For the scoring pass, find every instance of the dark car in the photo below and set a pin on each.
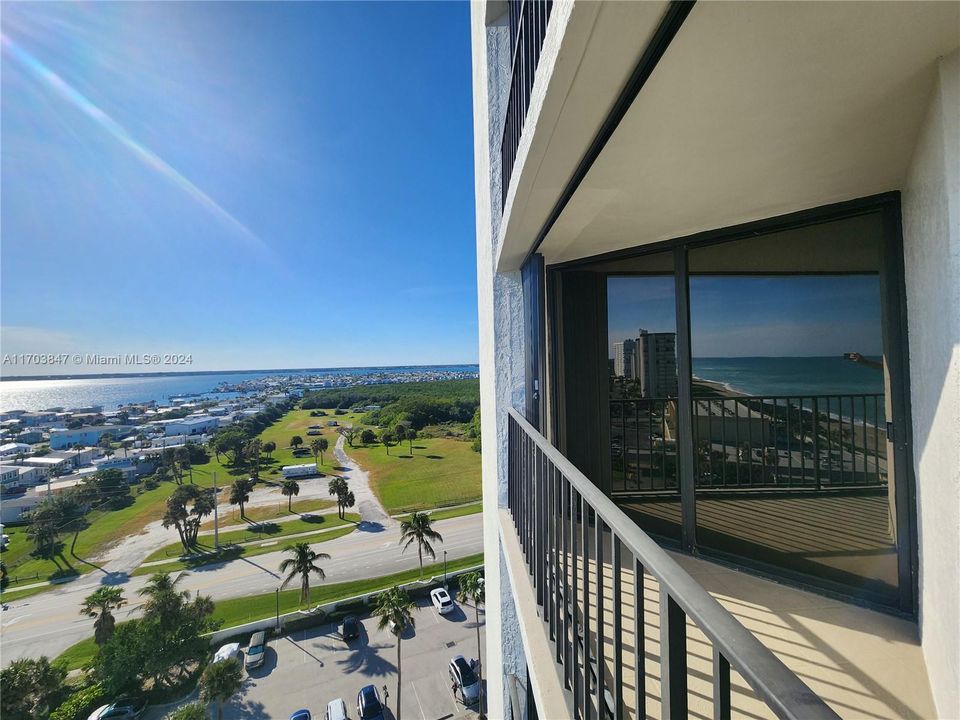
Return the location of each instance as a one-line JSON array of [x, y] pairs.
[[350, 629], [302, 714], [369, 706]]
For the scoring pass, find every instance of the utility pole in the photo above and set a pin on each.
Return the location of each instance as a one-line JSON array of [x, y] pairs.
[[444, 568], [216, 517]]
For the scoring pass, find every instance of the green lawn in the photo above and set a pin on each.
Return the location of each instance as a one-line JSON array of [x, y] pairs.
[[262, 513], [236, 551], [238, 611], [440, 472], [270, 531], [447, 513], [254, 607]]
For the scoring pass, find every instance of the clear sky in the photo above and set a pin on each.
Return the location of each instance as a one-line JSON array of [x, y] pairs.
[[257, 184], [755, 316]]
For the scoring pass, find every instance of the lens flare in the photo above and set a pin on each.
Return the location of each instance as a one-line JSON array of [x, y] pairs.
[[82, 103]]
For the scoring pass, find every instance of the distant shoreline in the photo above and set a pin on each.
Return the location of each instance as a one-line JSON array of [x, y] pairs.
[[268, 371]]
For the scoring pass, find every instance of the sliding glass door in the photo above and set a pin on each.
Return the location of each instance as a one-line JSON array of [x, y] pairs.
[[742, 395]]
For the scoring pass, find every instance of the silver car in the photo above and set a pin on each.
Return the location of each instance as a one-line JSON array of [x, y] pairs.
[[465, 679]]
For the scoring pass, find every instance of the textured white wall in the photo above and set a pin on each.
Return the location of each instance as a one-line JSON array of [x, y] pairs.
[[499, 300], [931, 228]]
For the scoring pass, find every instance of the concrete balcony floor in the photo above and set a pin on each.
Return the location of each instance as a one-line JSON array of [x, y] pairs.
[[863, 663]]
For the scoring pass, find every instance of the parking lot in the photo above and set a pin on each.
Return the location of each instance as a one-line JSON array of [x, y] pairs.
[[309, 668]]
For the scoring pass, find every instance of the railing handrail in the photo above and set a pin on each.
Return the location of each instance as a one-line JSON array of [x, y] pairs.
[[779, 687]]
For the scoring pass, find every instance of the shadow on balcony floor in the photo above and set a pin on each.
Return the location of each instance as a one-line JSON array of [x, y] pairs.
[[863, 663]]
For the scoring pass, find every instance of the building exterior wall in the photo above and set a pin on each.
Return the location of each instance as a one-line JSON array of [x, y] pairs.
[[931, 228], [500, 304]]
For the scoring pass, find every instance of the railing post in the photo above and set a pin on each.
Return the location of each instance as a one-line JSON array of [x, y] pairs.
[[585, 599], [721, 686], [673, 658], [617, 611], [816, 444]]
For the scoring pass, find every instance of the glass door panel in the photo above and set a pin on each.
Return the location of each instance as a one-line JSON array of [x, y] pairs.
[[642, 365], [790, 410]]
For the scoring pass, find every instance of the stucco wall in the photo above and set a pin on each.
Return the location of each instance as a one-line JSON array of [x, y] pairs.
[[931, 228], [499, 301]]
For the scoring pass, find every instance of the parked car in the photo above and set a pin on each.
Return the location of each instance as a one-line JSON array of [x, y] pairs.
[[301, 714], [441, 600], [336, 710], [122, 709], [256, 650], [465, 679], [230, 650], [369, 706], [350, 628]]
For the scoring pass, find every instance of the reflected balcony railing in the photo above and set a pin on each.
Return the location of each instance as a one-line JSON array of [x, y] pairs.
[[807, 442]]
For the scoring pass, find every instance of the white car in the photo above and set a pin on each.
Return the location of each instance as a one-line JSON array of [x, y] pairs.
[[230, 650], [336, 710], [441, 600]]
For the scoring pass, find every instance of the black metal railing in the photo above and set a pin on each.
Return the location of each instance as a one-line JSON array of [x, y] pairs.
[[812, 442], [528, 27], [576, 543]]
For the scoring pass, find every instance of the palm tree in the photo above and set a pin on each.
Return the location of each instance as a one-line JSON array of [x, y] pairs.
[[220, 682], [338, 487], [386, 438], [269, 447], [303, 563], [239, 493], [418, 529], [323, 444], [100, 604], [163, 596], [394, 608], [290, 488], [472, 591], [315, 449]]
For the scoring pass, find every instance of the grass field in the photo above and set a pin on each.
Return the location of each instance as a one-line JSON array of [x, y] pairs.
[[269, 531], [440, 472], [453, 512], [263, 513], [237, 551], [238, 611]]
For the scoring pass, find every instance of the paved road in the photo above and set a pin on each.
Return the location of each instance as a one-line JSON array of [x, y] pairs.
[[49, 623], [312, 667]]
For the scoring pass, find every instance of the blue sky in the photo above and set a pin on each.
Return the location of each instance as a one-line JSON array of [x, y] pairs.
[[258, 184], [755, 316]]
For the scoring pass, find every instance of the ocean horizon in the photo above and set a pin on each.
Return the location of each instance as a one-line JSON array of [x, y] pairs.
[[112, 390], [764, 376]]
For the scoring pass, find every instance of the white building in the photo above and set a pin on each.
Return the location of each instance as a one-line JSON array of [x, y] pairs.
[[11, 450], [61, 438], [22, 475], [295, 471], [13, 508], [191, 425], [713, 144]]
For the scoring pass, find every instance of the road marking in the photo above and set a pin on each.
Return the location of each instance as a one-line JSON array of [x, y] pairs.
[[417, 696]]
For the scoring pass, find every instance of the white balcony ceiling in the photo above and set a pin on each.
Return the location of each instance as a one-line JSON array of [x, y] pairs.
[[756, 109]]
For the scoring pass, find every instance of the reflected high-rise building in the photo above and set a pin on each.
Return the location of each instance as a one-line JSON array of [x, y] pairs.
[[651, 360]]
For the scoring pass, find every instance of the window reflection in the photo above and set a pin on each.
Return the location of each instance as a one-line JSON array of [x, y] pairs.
[[643, 405]]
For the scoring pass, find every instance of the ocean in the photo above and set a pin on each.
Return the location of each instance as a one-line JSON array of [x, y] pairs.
[[791, 375], [36, 395]]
